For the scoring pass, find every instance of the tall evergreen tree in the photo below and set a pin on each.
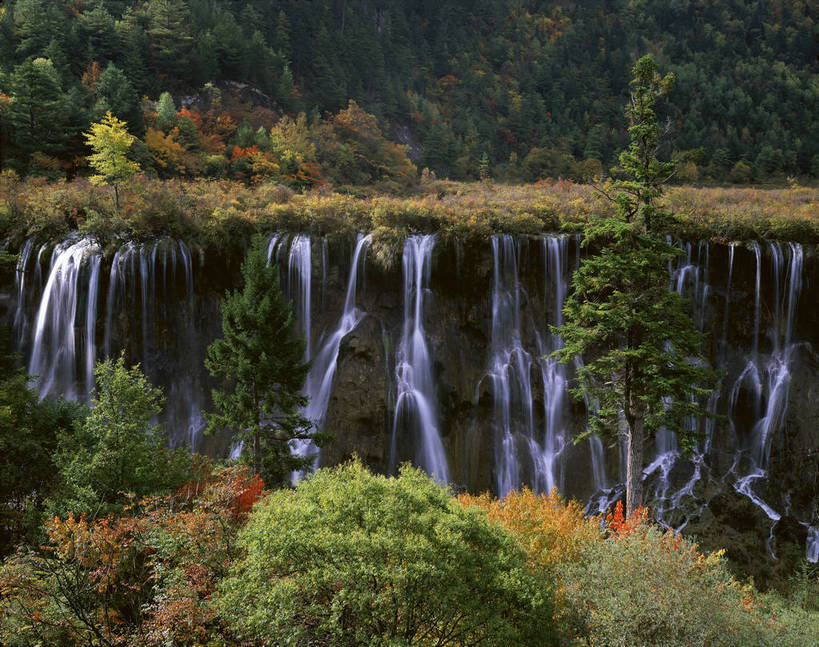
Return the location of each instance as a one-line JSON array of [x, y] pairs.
[[116, 93], [37, 111], [260, 359], [644, 370]]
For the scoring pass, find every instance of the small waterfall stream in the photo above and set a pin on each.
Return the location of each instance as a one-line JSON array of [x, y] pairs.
[[771, 382], [415, 406], [319, 383], [55, 345]]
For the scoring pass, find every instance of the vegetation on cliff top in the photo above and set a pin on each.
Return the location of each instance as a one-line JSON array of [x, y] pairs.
[[222, 214]]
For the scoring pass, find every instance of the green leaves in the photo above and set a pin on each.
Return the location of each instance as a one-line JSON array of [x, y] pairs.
[[643, 369], [260, 360], [117, 450], [351, 558]]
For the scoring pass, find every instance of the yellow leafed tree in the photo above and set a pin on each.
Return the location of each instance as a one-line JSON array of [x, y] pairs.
[[110, 141]]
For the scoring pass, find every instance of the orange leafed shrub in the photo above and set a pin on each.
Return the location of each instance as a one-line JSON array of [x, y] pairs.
[[619, 525], [549, 528], [193, 115], [143, 578], [166, 150], [239, 152]]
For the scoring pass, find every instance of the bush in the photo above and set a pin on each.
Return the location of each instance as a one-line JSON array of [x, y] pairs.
[[351, 558], [117, 450], [641, 587]]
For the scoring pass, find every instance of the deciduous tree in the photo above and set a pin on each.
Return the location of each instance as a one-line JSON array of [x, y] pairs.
[[118, 450], [110, 141], [351, 558]]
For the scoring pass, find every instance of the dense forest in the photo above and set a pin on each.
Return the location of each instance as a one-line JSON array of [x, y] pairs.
[[518, 90]]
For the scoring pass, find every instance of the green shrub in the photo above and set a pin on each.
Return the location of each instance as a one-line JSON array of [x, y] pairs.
[[643, 588], [351, 558]]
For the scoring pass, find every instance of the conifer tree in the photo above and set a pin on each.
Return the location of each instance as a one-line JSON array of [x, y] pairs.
[[116, 93], [36, 113], [643, 367], [166, 116], [260, 359]]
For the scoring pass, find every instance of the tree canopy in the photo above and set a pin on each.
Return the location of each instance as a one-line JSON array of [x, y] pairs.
[[351, 558]]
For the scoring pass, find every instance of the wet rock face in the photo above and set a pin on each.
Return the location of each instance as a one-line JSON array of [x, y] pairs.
[[357, 416], [502, 413]]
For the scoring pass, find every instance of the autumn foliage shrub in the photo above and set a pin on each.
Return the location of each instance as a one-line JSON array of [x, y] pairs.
[[623, 581], [142, 578]]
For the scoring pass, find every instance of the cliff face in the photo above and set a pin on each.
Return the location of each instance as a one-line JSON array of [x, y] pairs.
[[441, 361]]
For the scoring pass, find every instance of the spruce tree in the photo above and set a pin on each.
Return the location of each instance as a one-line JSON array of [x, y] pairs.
[[166, 116], [644, 368], [260, 359]]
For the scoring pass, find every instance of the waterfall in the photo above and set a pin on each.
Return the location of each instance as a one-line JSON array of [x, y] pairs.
[[299, 281], [116, 288], [55, 347], [518, 441], [415, 407], [20, 321], [553, 373], [319, 384], [91, 324], [690, 280], [151, 312], [812, 554], [509, 366], [773, 385]]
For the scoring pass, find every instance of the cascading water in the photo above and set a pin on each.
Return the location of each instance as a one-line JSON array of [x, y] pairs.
[[690, 280], [553, 373], [509, 369], [774, 378], [415, 408], [142, 294], [319, 384], [518, 445], [151, 312], [812, 555], [55, 346], [299, 284], [20, 321]]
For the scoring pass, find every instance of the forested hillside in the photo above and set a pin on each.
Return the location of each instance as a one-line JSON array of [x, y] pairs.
[[535, 88]]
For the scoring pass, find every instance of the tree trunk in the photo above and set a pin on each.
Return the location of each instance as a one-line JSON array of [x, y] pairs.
[[634, 466], [116, 196]]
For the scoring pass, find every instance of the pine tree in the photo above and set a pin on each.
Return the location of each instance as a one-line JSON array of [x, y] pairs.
[[117, 94], [110, 141], [644, 372], [260, 359], [166, 117], [37, 111]]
